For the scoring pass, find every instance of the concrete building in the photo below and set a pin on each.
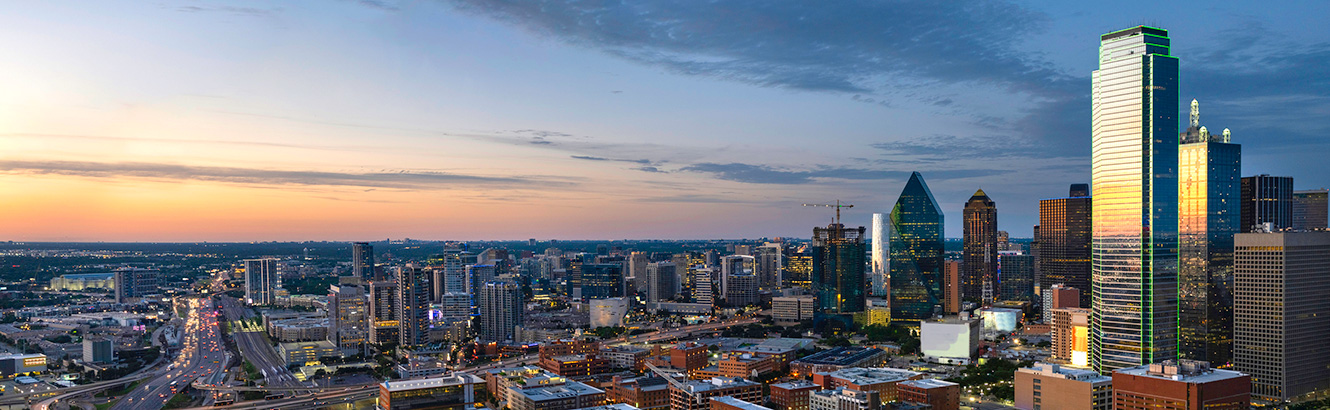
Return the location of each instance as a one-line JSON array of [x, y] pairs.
[[792, 395], [1000, 320], [881, 381], [837, 359], [791, 309], [362, 261], [80, 281], [1181, 385], [96, 350], [697, 394], [646, 393], [730, 403], [733, 364], [1059, 296], [413, 296], [879, 312], [565, 395], [626, 357], [1310, 209], [940, 394], [608, 312], [662, 281], [501, 310], [383, 313], [844, 399], [305, 352], [953, 339], [1282, 329], [304, 329], [575, 365], [741, 289], [1267, 200], [1071, 336], [261, 281], [456, 391], [137, 283], [951, 287], [348, 324], [1047, 386]]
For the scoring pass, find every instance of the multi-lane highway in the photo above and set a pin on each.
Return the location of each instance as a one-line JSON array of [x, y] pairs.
[[254, 348], [202, 356]]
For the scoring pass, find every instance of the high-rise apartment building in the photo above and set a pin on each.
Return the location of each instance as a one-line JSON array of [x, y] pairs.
[[662, 281], [951, 287], [261, 281], [1267, 200], [838, 269], [1064, 241], [734, 265], [383, 314], [881, 258], [1209, 182], [501, 310], [980, 252], [362, 260], [1310, 209], [770, 265], [1135, 221], [637, 270], [135, 283], [1282, 314], [348, 321], [413, 297], [477, 275], [916, 252], [741, 289], [1016, 276], [704, 288]]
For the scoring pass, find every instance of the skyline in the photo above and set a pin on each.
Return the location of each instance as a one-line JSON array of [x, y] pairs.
[[449, 120]]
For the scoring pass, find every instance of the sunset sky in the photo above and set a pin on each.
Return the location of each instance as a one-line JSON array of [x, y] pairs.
[[364, 120]]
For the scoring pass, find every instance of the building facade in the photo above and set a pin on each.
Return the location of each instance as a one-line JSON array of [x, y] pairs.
[[261, 281], [916, 251], [349, 318], [1063, 241], [1180, 385], [1310, 209], [1047, 386], [1267, 200], [362, 261], [135, 283], [501, 310], [1016, 276], [413, 297], [880, 261], [979, 271], [838, 269], [662, 281]]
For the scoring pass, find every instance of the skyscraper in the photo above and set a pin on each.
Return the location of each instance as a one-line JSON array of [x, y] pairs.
[[1209, 182], [383, 314], [662, 281], [135, 283], [798, 269], [979, 269], [1267, 199], [951, 287], [916, 253], [1016, 276], [881, 255], [1310, 209], [1064, 241], [602, 280], [838, 270], [1134, 126], [1280, 318], [349, 317], [260, 281], [362, 260], [413, 297], [770, 264], [501, 310]]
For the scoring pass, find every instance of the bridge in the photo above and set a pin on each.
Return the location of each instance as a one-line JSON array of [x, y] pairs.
[[211, 387]]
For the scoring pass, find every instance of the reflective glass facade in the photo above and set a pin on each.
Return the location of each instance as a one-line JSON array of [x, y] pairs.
[[838, 269], [979, 271], [916, 252], [1064, 242], [1209, 196], [1134, 126]]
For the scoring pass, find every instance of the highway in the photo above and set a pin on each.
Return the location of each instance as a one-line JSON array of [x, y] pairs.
[[202, 356], [254, 348]]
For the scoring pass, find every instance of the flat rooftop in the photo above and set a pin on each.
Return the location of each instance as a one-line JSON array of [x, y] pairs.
[[569, 389], [927, 383], [739, 403], [865, 376], [843, 356], [430, 383], [1210, 375]]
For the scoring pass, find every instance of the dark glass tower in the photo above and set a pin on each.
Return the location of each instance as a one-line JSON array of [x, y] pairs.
[[979, 270], [838, 269], [1016, 276], [1209, 185], [916, 253], [1064, 242], [602, 280], [362, 261], [1267, 199]]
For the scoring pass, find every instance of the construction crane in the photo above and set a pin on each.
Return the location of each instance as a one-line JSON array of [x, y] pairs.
[[668, 376], [836, 205]]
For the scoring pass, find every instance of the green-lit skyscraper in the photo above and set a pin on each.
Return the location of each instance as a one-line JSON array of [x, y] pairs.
[[1209, 211], [916, 253], [838, 270], [1134, 245]]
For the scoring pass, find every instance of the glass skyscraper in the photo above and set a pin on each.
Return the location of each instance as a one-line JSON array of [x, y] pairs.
[[881, 258], [1209, 196], [979, 271], [916, 253], [1134, 126], [838, 269], [1064, 242], [1267, 199]]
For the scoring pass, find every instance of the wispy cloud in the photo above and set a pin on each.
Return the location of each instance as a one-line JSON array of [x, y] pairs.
[[762, 174], [397, 179]]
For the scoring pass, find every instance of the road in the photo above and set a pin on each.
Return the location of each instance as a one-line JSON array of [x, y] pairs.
[[202, 356], [254, 348]]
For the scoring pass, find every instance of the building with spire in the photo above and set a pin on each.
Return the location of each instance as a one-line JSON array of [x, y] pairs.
[[916, 249], [1134, 151], [1209, 192], [979, 269]]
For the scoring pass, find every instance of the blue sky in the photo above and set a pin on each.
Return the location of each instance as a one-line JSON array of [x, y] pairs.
[[598, 119]]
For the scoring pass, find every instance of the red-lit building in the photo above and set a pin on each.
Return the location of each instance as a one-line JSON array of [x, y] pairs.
[[942, 395], [1180, 385]]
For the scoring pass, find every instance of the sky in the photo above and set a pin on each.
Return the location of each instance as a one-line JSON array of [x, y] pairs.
[[365, 120]]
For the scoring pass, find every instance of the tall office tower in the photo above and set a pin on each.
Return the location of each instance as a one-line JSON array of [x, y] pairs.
[[602, 280], [1267, 199], [662, 281], [261, 278], [951, 287], [1064, 241], [881, 259], [741, 289], [734, 265], [1310, 209], [1281, 324], [838, 270], [1134, 173], [413, 305], [501, 310], [916, 253], [704, 289], [383, 315], [979, 272], [477, 275], [362, 260], [769, 258], [798, 272], [1016, 276], [1209, 192], [349, 321], [451, 274], [637, 269], [135, 283]]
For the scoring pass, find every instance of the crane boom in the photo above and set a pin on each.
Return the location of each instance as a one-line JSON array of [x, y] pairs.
[[836, 205]]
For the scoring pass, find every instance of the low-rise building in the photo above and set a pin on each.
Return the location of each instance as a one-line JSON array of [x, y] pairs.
[[730, 403], [844, 399], [575, 365], [79, 281], [421, 368], [452, 392], [882, 381], [646, 393], [626, 357], [305, 352], [1182, 385], [952, 340], [836, 359], [746, 365], [793, 309], [1046, 386], [566, 395], [697, 394], [12, 364], [940, 394], [298, 330], [792, 395]]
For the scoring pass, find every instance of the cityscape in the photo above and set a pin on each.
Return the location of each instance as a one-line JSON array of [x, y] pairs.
[[282, 254]]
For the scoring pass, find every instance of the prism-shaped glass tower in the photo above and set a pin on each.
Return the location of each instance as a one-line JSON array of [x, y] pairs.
[[916, 253]]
